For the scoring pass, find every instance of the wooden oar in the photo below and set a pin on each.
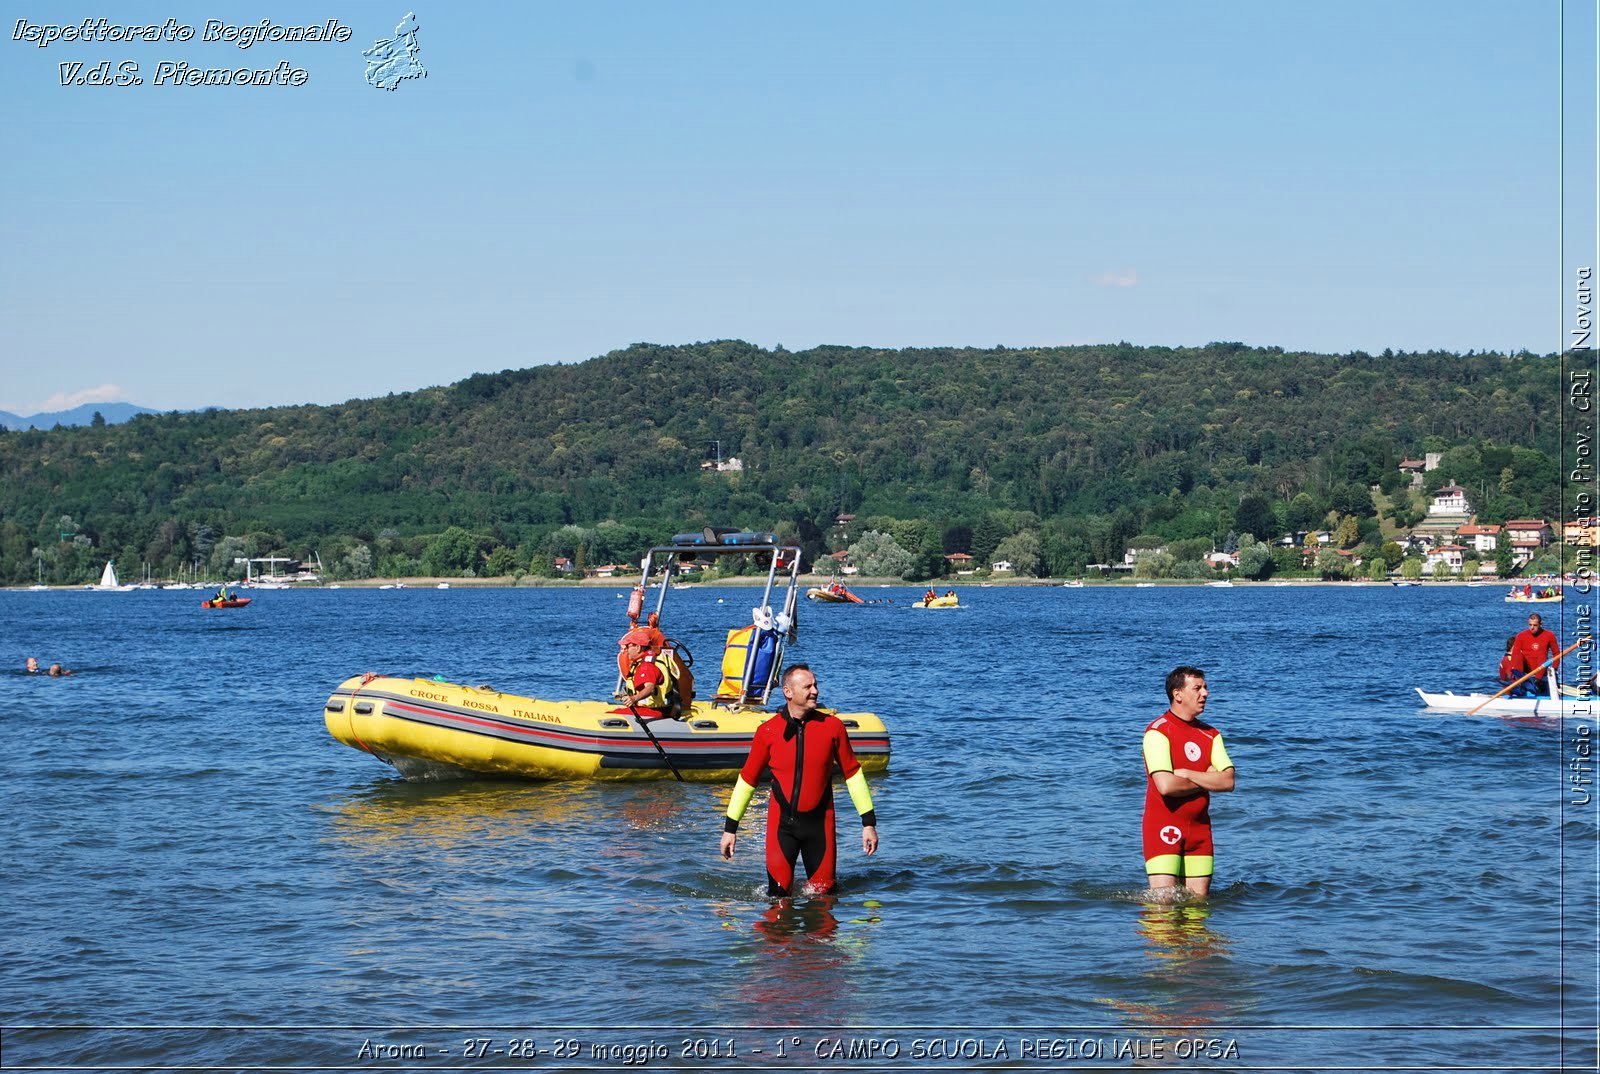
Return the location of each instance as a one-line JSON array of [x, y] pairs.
[[1512, 686]]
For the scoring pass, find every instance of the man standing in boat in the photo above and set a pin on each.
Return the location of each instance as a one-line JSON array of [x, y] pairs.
[[800, 746], [1535, 648], [1185, 763]]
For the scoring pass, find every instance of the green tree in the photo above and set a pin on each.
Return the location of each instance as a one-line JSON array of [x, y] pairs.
[[1330, 564], [1255, 559], [453, 552], [1153, 565], [1303, 513], [356, 563], [879, 555], [502, 561], [1411, 568], [1255, 516], [1022, 550], [986, 537], [1348, 532], [1502, 554], [221, 564]]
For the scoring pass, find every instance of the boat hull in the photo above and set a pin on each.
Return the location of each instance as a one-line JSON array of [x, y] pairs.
[[939, 602], [237, 602], [827, 596], [1510, 706], [430, 729]]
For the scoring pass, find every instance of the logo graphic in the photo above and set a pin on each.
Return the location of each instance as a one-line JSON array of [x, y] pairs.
[[391, 62], [1191, 750], [1171, 834]]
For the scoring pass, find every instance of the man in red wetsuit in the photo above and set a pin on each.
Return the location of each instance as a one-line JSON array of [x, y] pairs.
[[1185, 762], [799, 746], [1533, 647]]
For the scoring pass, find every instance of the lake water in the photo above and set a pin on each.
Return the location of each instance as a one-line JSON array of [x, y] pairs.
[[198, 875]]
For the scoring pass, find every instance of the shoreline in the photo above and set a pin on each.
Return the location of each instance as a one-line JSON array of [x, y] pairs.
[[817, 580]]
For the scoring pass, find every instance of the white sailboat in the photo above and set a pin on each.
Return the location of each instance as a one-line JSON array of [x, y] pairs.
[[108, 579]]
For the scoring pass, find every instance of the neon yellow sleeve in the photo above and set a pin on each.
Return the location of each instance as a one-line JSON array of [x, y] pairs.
[[1219, 755], [859, 794], [1157, 752], [742, 793]]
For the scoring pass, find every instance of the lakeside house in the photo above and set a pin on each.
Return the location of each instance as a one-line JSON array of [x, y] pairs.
[[1449, 556], [1527, 535], [962, 564], [1483, 539], [1450, 500], [1582, 531]]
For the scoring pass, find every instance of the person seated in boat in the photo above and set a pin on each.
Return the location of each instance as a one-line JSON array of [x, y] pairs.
[[645, 684], [57, 671], [1536, 648], [32, 665], [1509, 672], [950, 592], [930, 596]]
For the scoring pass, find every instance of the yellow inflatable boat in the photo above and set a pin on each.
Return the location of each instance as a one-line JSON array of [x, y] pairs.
[[428, 728]]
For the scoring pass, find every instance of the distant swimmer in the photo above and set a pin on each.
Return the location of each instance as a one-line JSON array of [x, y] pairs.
[[800, 746], [1185, 763], [57, 671], [32, 665]]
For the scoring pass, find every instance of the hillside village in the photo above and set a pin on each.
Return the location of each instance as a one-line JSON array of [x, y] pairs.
[[1448, 541]]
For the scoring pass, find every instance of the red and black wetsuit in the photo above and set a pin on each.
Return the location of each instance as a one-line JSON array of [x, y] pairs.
[[799, 755]]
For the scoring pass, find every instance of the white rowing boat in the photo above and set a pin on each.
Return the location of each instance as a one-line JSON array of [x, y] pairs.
[[1553, 706]]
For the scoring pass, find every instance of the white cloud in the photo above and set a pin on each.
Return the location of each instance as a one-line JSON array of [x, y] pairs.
[[105, 393], [1130, 278]]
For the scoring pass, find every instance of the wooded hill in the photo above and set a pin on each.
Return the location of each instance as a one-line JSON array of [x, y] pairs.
[[951, 449]]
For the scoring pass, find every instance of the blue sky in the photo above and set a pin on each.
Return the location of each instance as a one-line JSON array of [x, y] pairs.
[[573, 178]]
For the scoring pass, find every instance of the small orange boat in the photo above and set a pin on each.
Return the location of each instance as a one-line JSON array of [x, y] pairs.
[[231, 602]]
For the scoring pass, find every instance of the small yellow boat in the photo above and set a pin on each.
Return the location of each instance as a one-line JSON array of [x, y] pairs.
[[429, 728], [949, 601]]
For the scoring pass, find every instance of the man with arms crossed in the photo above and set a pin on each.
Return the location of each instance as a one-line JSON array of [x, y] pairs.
[[1185, 762], [801, 745]]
